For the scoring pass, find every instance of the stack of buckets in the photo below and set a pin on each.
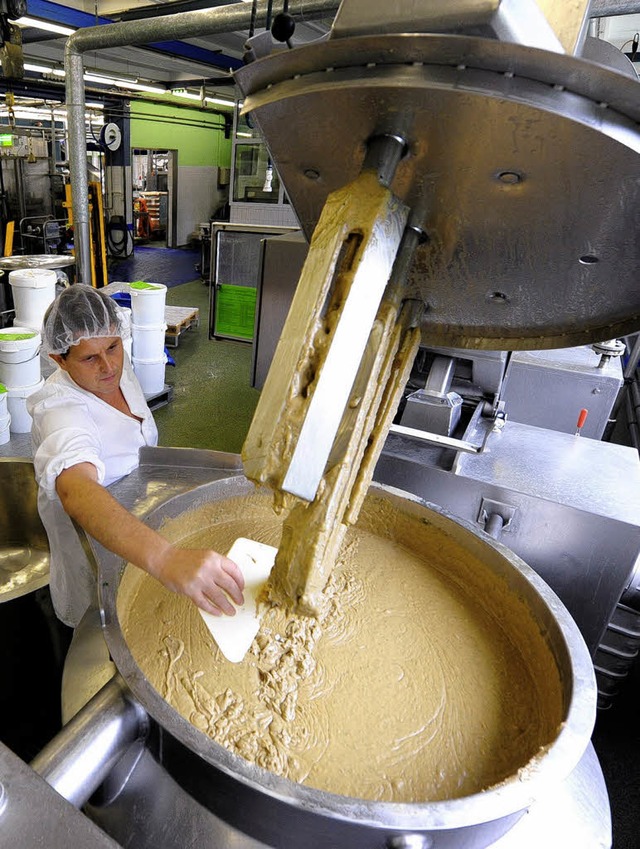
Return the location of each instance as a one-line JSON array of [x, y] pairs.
[[33, 289], [148, 330]]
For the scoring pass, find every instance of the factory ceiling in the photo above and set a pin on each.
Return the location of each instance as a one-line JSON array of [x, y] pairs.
[[195, 66], [172, 64]]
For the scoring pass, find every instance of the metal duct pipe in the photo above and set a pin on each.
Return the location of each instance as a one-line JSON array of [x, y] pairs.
[[633, 411], [611, 8], [79, 758], [222, 19], [634, 359]]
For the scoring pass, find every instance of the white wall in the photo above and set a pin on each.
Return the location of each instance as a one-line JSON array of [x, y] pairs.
[[619, 29], [198, 198]]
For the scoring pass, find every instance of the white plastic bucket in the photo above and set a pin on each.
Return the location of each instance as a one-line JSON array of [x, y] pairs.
[[127, 339], [3, 401], [33, 289], [17, 405], [148, 341], [150, 374], [19, 356], [147, 302], [5, 429]]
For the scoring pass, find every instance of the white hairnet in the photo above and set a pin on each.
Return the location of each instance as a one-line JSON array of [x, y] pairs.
[[81, 312]]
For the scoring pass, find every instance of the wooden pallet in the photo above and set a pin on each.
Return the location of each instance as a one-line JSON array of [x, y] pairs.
[[179, 320]]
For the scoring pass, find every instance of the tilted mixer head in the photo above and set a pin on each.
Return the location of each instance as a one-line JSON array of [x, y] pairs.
[[525, 244]]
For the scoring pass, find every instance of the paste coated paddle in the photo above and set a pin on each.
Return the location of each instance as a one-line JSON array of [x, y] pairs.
[[234, 634]]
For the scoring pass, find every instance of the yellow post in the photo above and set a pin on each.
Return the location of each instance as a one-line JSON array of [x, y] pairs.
[[100, 247], [8, 238]]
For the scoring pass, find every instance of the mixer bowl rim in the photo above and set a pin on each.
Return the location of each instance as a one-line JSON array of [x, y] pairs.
[[603, 84], [514, 794]]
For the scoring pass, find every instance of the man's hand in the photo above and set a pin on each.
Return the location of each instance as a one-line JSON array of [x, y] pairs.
[[204, 576]]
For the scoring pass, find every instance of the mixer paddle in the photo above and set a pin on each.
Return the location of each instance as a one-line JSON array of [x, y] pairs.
[[234, 634]]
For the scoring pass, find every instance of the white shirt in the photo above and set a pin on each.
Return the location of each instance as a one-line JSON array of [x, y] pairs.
[[70, 426]]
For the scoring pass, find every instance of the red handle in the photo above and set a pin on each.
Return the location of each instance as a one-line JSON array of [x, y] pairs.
[[582, 418]]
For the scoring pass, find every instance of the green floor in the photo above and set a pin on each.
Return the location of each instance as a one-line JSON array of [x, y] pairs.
[[213, 401]]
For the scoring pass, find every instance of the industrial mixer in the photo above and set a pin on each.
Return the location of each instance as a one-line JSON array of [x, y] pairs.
[[445, 144]]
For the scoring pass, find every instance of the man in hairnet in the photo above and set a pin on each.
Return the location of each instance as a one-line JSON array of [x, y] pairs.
[[89, 421]]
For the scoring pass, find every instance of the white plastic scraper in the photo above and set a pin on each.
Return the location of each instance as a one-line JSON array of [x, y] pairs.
[[234, 634]]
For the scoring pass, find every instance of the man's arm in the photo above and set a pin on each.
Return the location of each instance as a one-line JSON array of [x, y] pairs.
[[203, 575]]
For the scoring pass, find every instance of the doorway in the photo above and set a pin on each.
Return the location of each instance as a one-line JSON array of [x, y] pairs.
[[154, 175]]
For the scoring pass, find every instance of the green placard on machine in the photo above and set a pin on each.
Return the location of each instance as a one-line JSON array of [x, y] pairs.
[[235, 311]]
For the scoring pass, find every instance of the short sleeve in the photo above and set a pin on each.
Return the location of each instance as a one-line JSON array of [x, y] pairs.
[[64, 435]]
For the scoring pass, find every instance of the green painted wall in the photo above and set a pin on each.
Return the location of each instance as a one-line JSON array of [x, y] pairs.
[[196, 135]]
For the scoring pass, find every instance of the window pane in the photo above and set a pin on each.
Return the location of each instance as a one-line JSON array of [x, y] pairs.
[[255, 179]]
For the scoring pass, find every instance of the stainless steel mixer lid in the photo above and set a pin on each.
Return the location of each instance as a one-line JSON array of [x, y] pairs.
[[10, 263], [523, 170]]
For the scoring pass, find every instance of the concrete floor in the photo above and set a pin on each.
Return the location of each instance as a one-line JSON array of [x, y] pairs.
[[213, 401]]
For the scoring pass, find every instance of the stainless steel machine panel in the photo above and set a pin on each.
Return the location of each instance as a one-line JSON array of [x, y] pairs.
[[549, 388], [486, 367], [573, 503], [24, 547], [281, 263]]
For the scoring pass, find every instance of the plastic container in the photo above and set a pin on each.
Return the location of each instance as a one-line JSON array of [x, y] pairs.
[[150, 374], [5, 429], [19, 356], [127, 342], [148, 341], [17, 406], [5, 418], [33, 289], [123, 299], [148, 302]]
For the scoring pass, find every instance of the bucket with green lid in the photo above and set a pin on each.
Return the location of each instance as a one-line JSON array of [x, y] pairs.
[[19, 360], [147, 302]]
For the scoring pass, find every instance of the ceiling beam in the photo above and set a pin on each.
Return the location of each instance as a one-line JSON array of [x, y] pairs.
[[138, 13], [222, 19], [78, 19]]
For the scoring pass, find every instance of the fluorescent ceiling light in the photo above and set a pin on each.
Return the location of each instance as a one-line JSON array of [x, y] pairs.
[[140, 86], [34, 114], [220, 102], [186, 94], [100, 79], [129, 84], [38, 69], [96, 78], [45, 25]]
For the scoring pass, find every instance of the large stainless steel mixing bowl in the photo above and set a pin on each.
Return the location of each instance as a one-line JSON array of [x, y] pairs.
[[24, 547], [281, 813]]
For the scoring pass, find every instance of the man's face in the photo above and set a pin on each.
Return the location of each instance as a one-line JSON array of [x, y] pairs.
[[95, 364]]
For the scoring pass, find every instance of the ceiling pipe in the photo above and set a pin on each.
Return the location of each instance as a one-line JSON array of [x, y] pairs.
[[613, 8], [224, 19]]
